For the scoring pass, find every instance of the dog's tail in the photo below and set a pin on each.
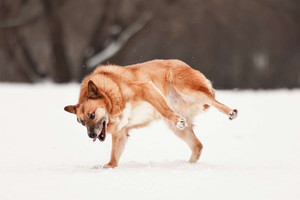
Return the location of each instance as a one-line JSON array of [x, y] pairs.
[[183, 76]]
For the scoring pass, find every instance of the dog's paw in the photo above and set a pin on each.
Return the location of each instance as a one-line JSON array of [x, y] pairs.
[[97, 167], [232, 114], [181, 123], [110, 165]]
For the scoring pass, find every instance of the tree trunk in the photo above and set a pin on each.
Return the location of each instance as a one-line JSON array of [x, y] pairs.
[[60, 70]]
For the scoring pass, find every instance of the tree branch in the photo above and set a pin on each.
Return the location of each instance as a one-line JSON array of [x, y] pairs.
[[27, 16], [118, 44]]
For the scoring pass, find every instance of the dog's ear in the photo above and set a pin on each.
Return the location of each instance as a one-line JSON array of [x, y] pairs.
[[93, 92], [71, 109]]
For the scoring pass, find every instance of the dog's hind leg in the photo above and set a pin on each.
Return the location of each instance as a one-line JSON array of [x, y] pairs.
[[232, 113], [119, 140], [190, 138], [192, 83]]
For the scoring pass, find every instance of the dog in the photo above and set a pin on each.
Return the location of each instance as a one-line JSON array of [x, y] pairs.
[[115, 99]]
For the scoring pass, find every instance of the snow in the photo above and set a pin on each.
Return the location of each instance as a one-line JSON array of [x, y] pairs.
[[45, 154]]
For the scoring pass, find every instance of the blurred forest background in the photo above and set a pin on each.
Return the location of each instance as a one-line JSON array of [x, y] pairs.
[[235, 43]]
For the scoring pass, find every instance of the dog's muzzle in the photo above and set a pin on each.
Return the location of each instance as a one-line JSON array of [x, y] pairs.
[[102, 129], [92, 134]]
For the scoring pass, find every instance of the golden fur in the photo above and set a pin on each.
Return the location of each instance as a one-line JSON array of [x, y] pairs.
[[133, 96]]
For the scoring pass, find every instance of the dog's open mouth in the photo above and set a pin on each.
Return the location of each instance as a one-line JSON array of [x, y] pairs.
[[102, 134]]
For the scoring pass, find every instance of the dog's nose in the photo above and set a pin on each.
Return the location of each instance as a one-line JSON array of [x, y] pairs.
[[92, 134]]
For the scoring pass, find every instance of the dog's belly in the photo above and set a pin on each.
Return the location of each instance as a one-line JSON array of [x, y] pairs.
[[142, 113], [184, 105]]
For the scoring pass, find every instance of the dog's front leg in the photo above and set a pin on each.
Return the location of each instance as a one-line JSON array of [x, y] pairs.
[[156, 98], [119, 140]]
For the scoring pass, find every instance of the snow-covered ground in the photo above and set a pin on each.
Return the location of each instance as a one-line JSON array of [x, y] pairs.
[[45, 154]]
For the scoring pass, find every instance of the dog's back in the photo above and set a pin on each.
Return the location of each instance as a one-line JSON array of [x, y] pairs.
[[171, 77]]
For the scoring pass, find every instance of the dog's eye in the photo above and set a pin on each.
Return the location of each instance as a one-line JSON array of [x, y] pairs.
[[92, 116], [82, 122]]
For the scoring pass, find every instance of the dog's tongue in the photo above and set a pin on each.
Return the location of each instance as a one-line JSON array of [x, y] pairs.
[[102, 135]]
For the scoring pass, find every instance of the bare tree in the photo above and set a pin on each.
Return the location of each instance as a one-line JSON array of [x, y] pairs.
[[60, 67], [237, 43]]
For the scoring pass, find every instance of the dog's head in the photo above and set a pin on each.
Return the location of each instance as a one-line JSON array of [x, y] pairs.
[[92, 113]]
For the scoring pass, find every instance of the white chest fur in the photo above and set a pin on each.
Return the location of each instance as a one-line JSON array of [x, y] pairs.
[[136, 115]]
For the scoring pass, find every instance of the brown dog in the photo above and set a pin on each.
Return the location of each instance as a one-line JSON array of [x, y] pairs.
[[115, 99]]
